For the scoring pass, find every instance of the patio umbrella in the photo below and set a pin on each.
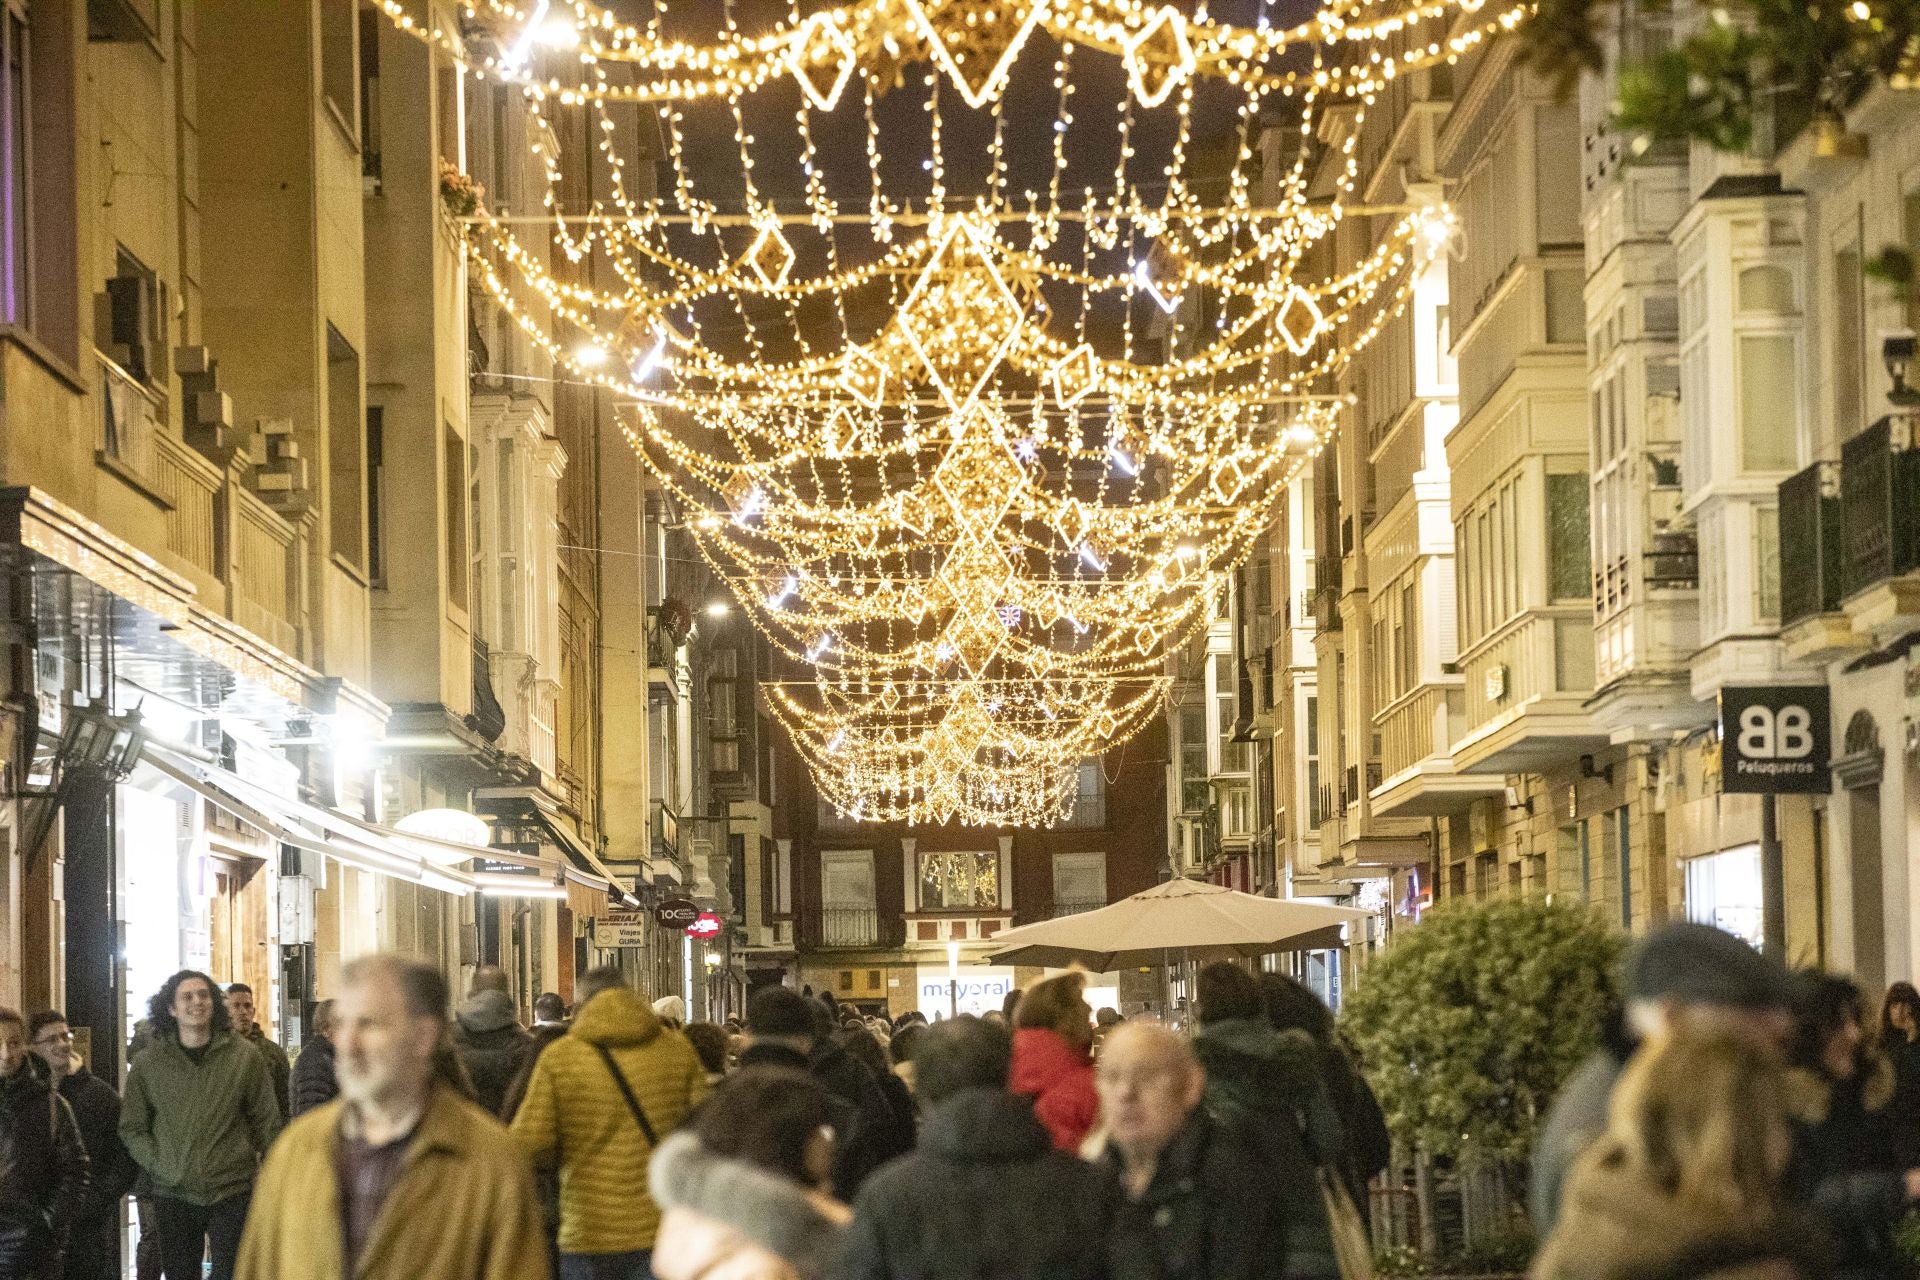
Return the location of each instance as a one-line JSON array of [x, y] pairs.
[[1197, 921]]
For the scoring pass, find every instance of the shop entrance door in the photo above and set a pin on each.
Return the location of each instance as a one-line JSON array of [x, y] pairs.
[[237, 928]]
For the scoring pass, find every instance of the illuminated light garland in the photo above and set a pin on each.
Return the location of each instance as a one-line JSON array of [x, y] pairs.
[[1162, 48], [883, 535]]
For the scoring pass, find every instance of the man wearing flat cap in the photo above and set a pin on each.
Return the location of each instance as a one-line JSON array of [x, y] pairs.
[[1681, 975]]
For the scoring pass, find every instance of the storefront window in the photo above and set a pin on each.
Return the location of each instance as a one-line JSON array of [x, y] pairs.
[[1723, 890]]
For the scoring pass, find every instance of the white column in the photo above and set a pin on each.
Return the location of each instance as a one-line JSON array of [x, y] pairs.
[[1006, 873], [909, 878]]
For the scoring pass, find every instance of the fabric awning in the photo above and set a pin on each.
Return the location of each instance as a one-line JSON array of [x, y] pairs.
[[429, 860], [533, 805]]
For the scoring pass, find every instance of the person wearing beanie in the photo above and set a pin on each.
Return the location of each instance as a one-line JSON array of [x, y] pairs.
[[1682, 976], [786, 1029], [492, 1045]]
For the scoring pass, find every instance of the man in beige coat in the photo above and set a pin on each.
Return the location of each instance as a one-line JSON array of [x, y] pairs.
[[401, 1175]]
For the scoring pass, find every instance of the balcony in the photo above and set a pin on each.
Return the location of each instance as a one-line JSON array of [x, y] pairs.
[[1076, 906], [1526, 689], [237, 550], [1812, 625], [664, 844], [1416, 739], [849, 927], [1880, 527]]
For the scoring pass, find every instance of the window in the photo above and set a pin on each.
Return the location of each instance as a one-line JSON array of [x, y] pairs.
[[370, 22], [1767, 288], [454, 452], [16, 168], [1193, 758], [847, 915], [1849, 344], [1409, 637], [346, 453], [1089, 796], [1569, 568], [1312, 748], [959, 881], [1769, 401], [723, 708], [340, 62], [476, 548], [137, 325], [376, 495], [1910, 228], [1079, 882], [1766, 564], [1623, 829]]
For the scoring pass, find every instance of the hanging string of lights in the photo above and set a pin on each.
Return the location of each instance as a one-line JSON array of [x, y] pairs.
[[976, 456]]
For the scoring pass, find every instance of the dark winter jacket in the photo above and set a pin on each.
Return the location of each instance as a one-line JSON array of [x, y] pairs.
[[1210, 1212], [111, 1171], [879, 1134], [1059, 1078], [984, 1196], [1904, 1111], [43, 1163], [1574, 1123], [1846, 1169], [278, 1068], [314, 1082], [200, 1128], [492, 1047], [1615, 1224], [1266, 1085], [1368, 1147]]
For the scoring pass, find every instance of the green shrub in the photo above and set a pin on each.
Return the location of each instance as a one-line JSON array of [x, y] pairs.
[[1468, 1025]]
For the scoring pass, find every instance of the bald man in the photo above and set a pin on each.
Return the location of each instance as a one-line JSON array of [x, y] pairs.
[[1194, 1201]]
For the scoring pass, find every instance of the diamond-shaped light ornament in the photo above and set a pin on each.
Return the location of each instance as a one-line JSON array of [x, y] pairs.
[[822, 58], [961, 318], [1074, 375], [969, 56], [771, 257], [1159, 57], [863, 376], [1299, 320]]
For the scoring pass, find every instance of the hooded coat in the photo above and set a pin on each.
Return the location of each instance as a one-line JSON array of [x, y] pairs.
[[725, 1219], [1265, 1084], [1574, 1122], [575, 1117], [492, 1046], [1616, 1225], [984, 1195], [1058, 1076]]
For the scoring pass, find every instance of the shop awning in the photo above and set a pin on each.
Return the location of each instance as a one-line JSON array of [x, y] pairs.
[[429, 860], [531, 804]]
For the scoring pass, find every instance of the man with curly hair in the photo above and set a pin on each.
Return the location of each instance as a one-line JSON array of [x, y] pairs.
[[199, 1114]]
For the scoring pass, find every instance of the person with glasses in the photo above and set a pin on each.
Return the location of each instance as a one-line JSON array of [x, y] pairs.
[[93, 1241], [43, 1166]]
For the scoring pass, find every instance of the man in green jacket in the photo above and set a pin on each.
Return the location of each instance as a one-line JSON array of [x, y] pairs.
[[240, 1009], [199, 1114]]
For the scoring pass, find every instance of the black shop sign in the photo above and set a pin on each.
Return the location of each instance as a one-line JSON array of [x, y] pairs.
[[1775, 739]]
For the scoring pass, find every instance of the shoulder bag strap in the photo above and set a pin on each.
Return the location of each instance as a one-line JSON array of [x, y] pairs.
[[626, 1091]]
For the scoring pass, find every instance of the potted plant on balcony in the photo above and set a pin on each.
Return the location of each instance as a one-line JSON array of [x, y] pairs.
[[676, 620]]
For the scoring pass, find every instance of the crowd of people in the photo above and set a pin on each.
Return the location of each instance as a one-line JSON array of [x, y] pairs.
[[1741, 1122]]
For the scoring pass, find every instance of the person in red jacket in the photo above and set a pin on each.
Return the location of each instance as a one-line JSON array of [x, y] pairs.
[[1053, 1058]]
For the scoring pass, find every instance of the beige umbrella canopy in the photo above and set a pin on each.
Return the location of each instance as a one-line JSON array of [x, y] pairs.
[[1179, 920]]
